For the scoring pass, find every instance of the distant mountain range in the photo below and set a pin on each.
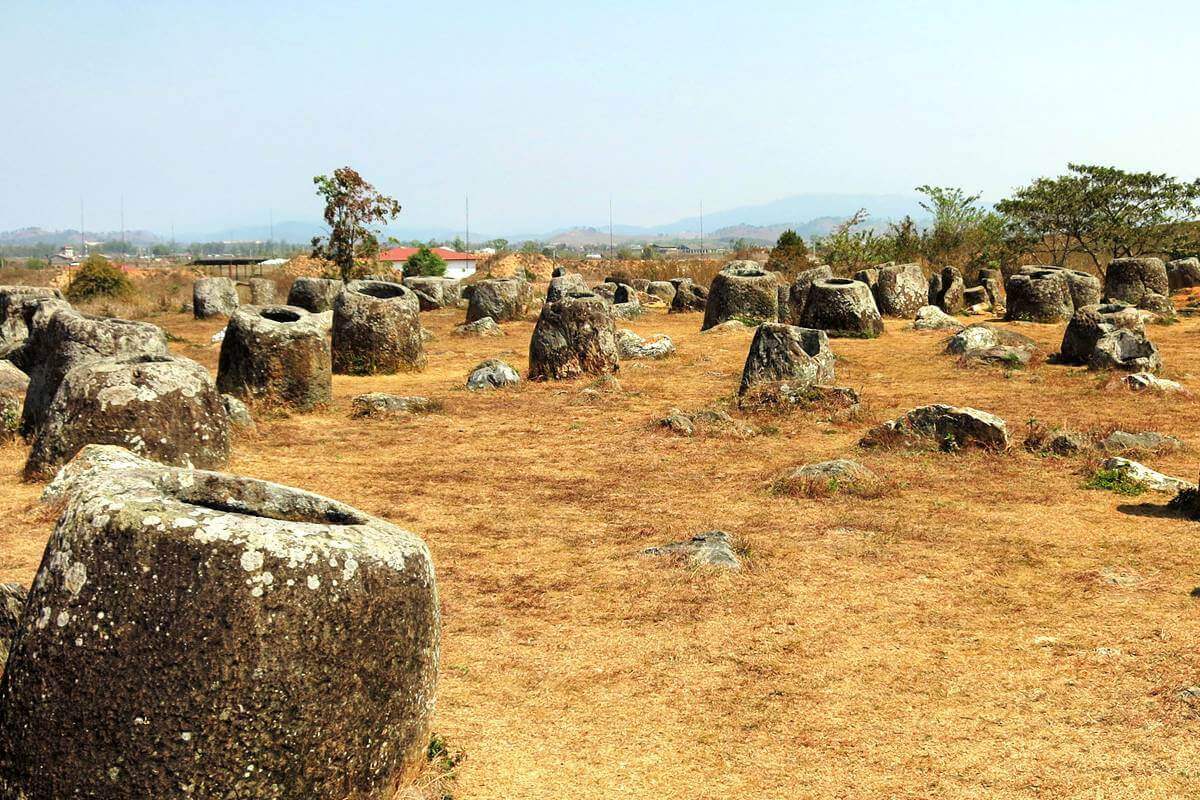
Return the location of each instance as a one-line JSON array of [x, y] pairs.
[[808, 214]]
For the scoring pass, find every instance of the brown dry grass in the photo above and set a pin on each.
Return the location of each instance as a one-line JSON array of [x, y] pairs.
[[939, 641]]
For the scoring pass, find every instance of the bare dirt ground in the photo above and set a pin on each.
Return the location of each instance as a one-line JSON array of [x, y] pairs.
[[988, 629]]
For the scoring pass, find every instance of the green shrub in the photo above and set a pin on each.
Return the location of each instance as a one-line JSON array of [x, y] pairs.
[[1114, 480], [424, 262], [97, 277]]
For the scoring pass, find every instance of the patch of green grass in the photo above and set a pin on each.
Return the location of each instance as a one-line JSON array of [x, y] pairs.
[[1114, 480]]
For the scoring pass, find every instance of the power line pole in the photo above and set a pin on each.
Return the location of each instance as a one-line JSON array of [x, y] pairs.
[[610, 228]]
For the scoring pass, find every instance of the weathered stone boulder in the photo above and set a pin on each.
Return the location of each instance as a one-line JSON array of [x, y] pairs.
[[1130, 280], [262, 291], [574, 336], [742, 289], [1183, 273], [900, 290], [502, 299], [60, 339], [1125, 350], [626, 304], [17, 304], [1085, 288], [981, 337], [162, 407], [1089, 323], [663, 290], [565, 284], [381, 404], [13, 385], [842, 308], [492, 374], [1039, 295], [945, 290], [217, 636], [239, 414], [950, 427], [992, 281], [708, 549], [632, 346], [276, 356], [430, 291], [214, 297], [779, 353], [1144, 442], [12, 606], [480, 327], [1149, 478], [688, 296], [798, 293], [314, 295], [1144, 381], [932, 318], [377, 329], [606, 290], [828, 477]]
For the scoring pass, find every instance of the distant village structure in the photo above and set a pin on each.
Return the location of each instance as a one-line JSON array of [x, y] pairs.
[[458, 265]]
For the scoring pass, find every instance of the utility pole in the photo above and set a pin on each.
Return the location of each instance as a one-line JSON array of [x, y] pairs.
[[610, 228]]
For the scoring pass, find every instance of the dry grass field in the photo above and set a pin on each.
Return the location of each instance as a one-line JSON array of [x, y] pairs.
[[988, 628]]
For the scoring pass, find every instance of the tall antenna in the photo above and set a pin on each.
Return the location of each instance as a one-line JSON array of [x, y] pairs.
[[610, 229]]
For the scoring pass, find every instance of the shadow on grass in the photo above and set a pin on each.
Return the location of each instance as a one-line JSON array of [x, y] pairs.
[[1149, 510]]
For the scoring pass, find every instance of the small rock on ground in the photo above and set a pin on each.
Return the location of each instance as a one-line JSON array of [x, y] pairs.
[[381, 404], [1140, 473], [492, 374], [709, 549], [485, 326]]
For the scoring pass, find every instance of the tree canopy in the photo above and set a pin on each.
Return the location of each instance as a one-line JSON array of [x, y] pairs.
[[352, 208], [424, 262]]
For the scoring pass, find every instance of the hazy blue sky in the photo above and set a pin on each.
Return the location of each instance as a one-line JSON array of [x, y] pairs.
[[210, 114]]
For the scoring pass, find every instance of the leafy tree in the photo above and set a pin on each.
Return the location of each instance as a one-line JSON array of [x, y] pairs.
[[790, 253], [424, 262], [458, 244], [906, 240], [352, 207], [851, 247], [955, 214], [647, 253], [531, 247], [36, 263], [160, 250], [499, 245], [97, 277], [1105, 213]]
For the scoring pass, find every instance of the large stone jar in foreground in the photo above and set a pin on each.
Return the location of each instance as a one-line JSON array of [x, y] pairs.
[[163, 407], [198, 634], [574, 336], [377, 329], [276, 356]]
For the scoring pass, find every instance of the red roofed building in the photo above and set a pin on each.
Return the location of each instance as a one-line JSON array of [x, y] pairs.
[[458, 265]]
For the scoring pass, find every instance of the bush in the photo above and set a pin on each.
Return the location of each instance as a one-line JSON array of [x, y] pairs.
[[424, 262], [97, 277], [1115, 480]]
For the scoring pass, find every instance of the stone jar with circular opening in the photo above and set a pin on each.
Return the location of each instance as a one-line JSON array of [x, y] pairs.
[[742, 289], [842, 308], [163, 407], [1038, 295], [201, 634], [276, 356], [377, 329]]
